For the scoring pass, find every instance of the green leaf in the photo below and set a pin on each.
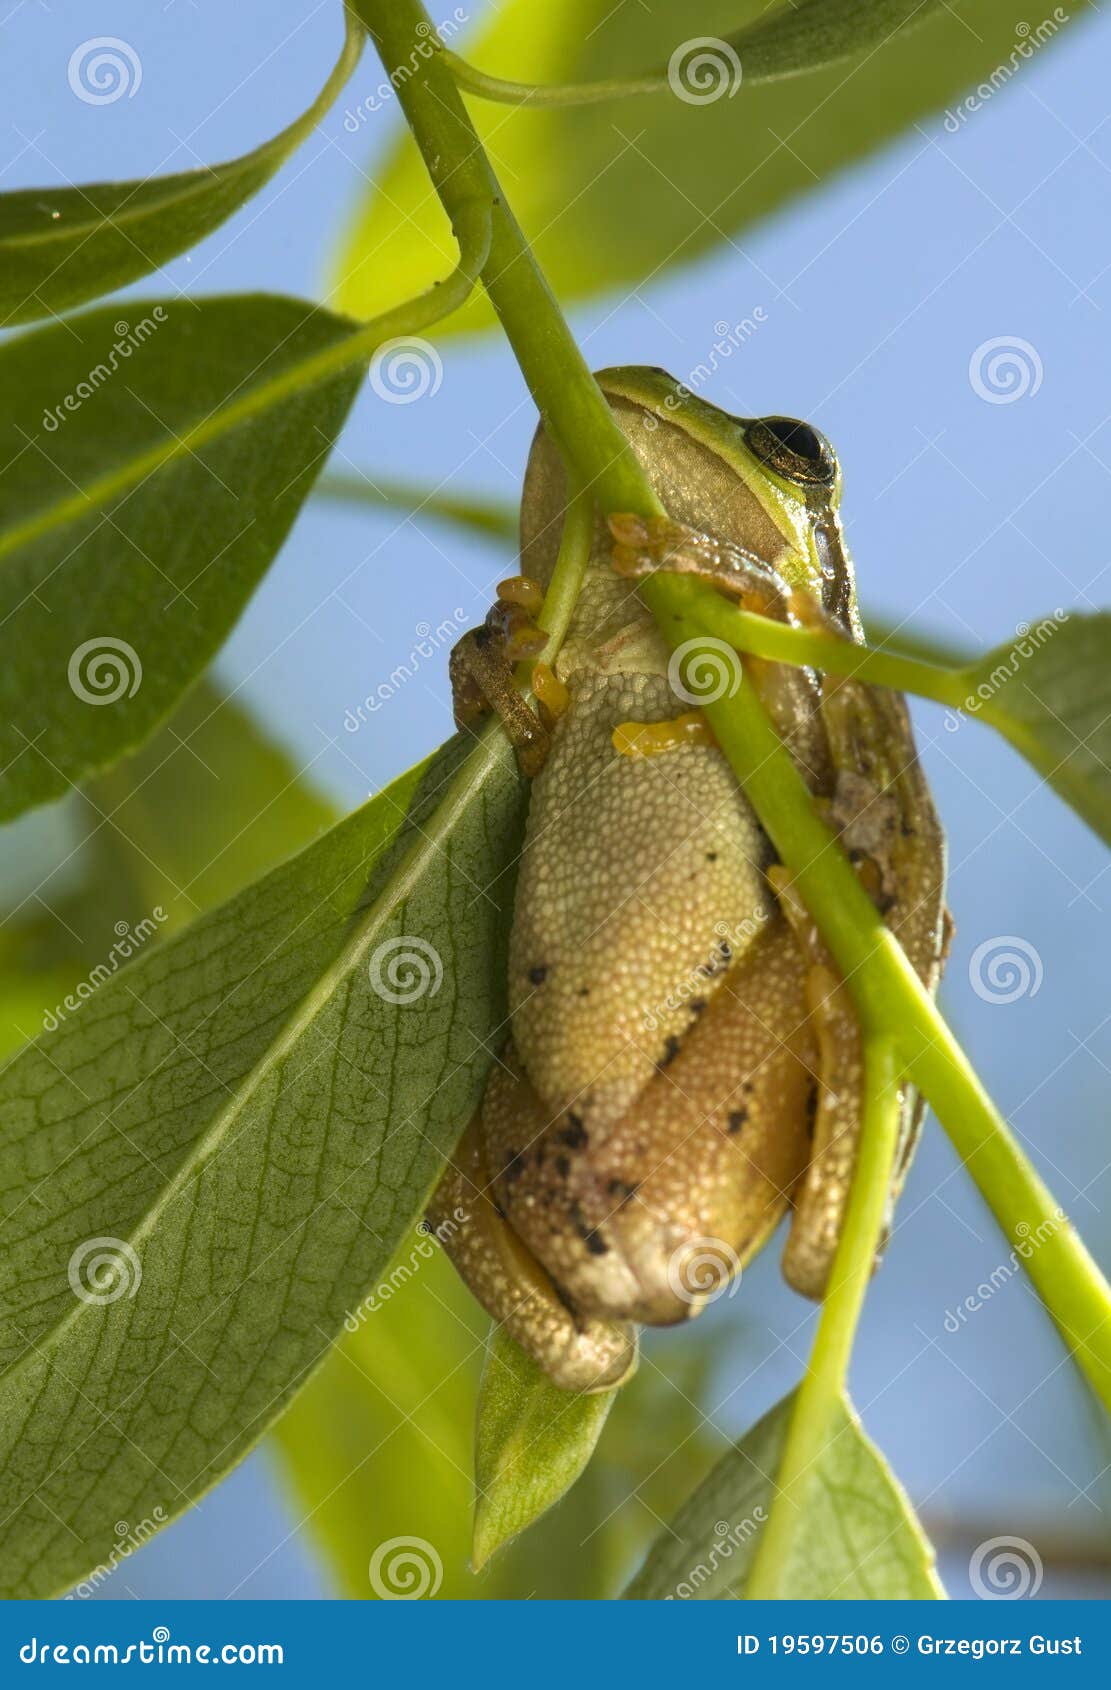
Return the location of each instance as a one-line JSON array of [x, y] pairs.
[[136, 524], [808, 34], [1049, 693], [207, 805], [60, 247], [532, 1442], [244, 1121], [377, 1447], [484, 516], [857, 1536], [609, 194]]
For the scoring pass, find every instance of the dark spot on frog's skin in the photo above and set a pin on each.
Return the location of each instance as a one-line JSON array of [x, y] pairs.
[[574, 1134], [501, 1214], [697, 1005], [672, 1046], [589, 1235], [584, 991], [482, 635], [737, 1119], [514, 1167], [622, 1190], [563, 1166], [539, 974], [711, 856]]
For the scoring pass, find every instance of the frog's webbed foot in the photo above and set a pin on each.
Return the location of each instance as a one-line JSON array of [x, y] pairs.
[[790, 692], [579, 1353], [481, 669], [821, 1195]]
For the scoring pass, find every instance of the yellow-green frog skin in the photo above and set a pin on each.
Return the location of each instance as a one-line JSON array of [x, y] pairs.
[[683, 1061]]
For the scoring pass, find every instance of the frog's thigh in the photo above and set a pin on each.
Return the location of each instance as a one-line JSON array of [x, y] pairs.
[[578, 1354], [646, 1220], [823, 1192]]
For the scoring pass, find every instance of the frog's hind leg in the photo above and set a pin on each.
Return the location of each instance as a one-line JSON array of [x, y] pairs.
[[578, 1353], [822, 1193], [888, 825], [649, 1217], [482, 673]]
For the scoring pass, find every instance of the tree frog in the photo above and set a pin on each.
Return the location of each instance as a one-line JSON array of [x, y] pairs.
[[683, 1062]]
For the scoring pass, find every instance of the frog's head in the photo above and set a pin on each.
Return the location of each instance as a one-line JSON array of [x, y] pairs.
[[771, 484]]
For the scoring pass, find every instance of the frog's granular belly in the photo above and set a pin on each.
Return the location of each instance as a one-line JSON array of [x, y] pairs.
[[640, 879]]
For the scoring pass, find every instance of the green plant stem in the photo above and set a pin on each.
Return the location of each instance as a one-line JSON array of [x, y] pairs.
[[762, 637], [575, 545], [888, 995], [506, 92], [823, 1388]]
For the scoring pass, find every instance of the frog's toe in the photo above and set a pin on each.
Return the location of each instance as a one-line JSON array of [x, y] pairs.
[[650, 1216], [578, 1352]]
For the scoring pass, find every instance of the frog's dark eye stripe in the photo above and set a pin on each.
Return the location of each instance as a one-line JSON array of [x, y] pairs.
[[793, 450]]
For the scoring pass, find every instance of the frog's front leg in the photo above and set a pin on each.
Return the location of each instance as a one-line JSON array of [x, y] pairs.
[[790, 693], [482, 673]]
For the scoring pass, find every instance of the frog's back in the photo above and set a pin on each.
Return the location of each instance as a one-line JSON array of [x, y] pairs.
[[641, 877]]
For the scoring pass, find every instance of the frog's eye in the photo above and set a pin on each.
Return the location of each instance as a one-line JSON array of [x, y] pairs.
[[793, 450]]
